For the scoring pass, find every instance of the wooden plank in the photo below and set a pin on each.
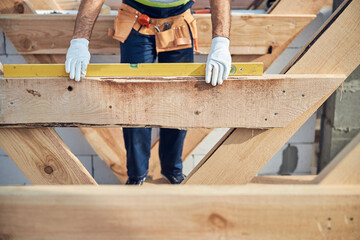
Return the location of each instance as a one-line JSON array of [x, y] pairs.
[[126, 70], [45, 4], [69, 4], [108, 143], [43, 157], [344, 168], [298, 6], [286, 179], [16, 7], [181, 102], [191, 212], [254, 148], [30, 34]]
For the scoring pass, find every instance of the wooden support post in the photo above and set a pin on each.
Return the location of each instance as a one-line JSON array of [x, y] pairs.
[[344, 168], [236, 159], [43, 157], [195, 212]]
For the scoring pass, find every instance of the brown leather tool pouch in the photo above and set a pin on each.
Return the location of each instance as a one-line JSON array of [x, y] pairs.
[[124, 22], [178, 36]]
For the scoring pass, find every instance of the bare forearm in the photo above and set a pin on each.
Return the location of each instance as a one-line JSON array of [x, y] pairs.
[[86, 17], [221, 18]]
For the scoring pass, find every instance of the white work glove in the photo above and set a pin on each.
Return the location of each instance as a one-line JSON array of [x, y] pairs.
[[77, 58], [219, 61]]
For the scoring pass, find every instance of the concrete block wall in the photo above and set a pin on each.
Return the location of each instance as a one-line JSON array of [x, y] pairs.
[[296, 154], [341, 118]]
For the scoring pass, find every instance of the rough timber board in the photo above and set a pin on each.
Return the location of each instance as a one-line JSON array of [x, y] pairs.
[[192, 212], [108, 143], [43, 157], [30, 34], [182, 102], [298, 6], [126, 70], [344, 168], [319, 56]]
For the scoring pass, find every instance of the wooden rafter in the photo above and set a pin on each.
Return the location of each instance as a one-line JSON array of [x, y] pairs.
[[43, 157], [180, 212], [182, 102], [16, 7], [334, 49]]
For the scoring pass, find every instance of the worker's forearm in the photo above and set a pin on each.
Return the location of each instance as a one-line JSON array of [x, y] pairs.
[[221, 18], [86, 17]]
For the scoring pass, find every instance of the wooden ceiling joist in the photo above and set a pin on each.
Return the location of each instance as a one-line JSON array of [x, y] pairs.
[[243, 152], [180, 212], [30, 34], [298, 6], [177, 102]]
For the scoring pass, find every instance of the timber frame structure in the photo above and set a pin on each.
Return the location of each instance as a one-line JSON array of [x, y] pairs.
[[326, 207], [280, 26]]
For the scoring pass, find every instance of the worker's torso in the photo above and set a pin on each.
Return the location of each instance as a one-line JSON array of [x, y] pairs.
[[160, 8]]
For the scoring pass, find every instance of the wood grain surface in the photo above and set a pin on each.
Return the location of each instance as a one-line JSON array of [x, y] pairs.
[[183, 102], [43, 157], [180, 212], [334, 49], [51, 34]]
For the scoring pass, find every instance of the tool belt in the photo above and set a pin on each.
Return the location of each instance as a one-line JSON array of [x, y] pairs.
[[176, 37]]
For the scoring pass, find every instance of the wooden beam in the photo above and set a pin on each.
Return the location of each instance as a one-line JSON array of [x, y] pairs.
[[30, 34], [243, 152], [127, 70], [194, 212], [45, 4], [16, 7], [108, 143], [70, 4], [182, 102], [286, 179], [43, 157], [298, 6], [344, 168]]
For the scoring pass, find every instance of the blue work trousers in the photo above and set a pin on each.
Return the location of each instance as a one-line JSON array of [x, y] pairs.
[[139, 48]]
